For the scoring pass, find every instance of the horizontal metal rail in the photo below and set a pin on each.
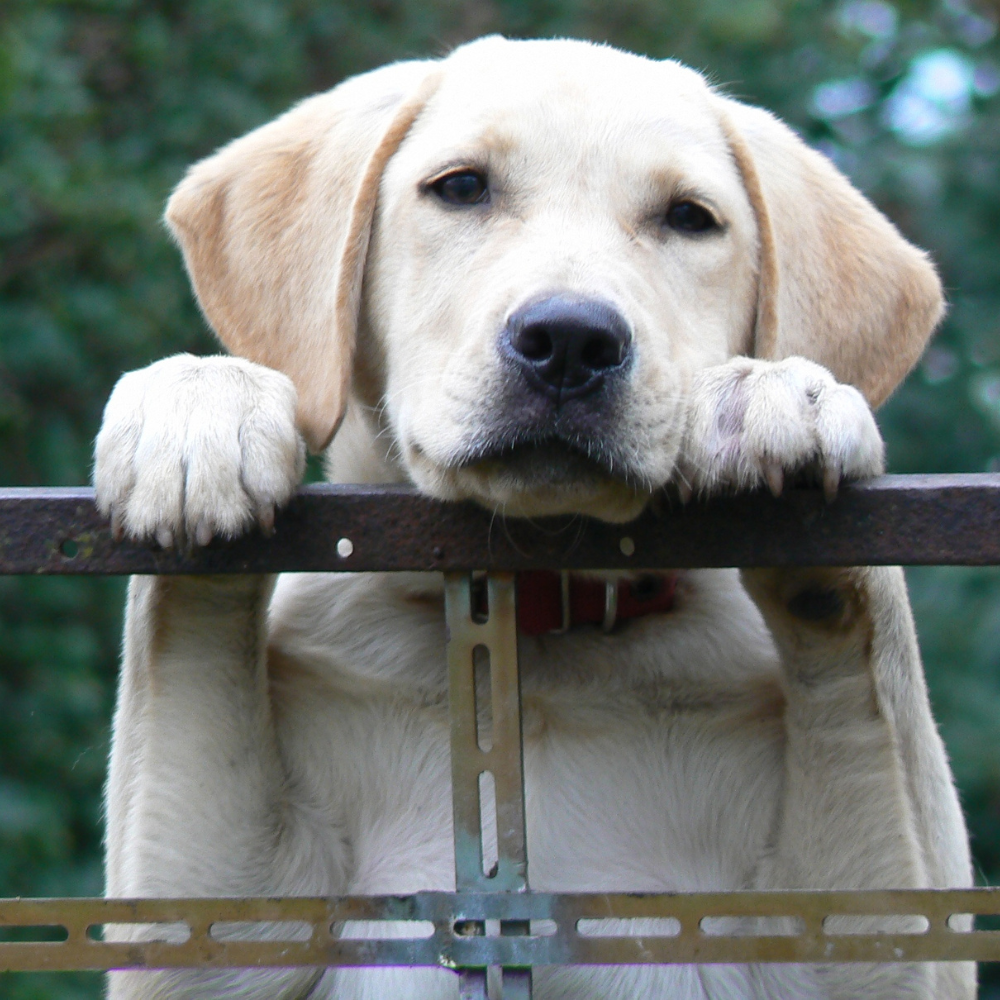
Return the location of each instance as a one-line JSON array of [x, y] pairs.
[[930, 520], [432, 929]]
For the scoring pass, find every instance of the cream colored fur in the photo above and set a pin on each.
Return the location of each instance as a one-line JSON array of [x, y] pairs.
[[291, 736]]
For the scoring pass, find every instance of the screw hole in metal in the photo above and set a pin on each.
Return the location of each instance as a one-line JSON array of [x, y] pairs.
[[168, 932], [488, 824], [33, 933]]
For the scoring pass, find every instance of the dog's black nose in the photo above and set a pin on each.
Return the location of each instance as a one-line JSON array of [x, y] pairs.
[[566, 346]]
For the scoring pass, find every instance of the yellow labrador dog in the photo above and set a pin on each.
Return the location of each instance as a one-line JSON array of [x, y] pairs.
[[551, 277]]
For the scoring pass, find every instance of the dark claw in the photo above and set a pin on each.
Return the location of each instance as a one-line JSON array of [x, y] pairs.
[[265, 518], [831, 483], [775, 477]]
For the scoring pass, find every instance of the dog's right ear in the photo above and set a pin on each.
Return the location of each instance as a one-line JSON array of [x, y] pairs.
[[275, 227]]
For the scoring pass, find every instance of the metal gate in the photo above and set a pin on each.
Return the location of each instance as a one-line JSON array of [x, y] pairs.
[[494, 921]]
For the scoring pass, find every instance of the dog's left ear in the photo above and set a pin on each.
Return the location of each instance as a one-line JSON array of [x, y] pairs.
[[275, 227], [837, 282]]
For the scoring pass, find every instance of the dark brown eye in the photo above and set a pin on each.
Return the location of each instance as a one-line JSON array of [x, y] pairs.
[[690, 217], [465, 187]]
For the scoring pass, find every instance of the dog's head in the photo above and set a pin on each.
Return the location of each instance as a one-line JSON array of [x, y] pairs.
[[506, 266]]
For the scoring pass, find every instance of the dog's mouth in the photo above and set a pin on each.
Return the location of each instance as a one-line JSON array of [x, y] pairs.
[[550, 475], [544, 462]]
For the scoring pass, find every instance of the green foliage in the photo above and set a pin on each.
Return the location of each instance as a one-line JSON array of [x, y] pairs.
[[104, 102]]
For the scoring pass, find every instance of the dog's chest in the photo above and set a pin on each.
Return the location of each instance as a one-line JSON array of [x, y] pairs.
[[651, 787], [620, 796]]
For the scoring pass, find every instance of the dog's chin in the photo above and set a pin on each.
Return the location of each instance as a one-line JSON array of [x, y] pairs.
[[545, 479]]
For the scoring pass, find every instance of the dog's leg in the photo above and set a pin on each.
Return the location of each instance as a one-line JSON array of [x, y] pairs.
[[868, 798], [850, 654], [198, 802], [198, 794]]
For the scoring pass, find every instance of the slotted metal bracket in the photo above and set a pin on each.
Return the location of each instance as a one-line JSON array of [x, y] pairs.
[[568, 929], [486, 741]]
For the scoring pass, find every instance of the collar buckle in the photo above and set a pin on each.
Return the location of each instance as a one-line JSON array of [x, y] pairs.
[[610, 606], [565, 605]]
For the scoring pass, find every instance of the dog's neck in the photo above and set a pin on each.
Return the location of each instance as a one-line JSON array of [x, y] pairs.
[[557, 602], [548, 602]]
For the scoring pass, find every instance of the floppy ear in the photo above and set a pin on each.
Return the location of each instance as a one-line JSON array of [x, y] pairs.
[[275, 227], [837, 282]]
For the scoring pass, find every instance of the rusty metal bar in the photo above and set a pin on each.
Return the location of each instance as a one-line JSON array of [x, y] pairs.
[[557, 936], [942, 520], [484, 704]]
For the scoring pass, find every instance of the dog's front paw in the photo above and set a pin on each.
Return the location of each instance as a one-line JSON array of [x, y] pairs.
[[195, 447], [753, 422]]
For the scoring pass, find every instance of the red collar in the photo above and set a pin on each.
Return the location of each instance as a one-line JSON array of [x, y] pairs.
[[557, 602]]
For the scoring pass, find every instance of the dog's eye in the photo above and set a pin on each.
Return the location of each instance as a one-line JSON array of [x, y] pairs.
[[690, 217], [465, 187]]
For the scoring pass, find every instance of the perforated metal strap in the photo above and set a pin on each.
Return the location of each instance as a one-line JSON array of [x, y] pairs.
[[486, 743]]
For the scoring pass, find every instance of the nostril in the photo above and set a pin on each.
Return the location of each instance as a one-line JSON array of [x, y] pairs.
[[535, 343], [602, 350]]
